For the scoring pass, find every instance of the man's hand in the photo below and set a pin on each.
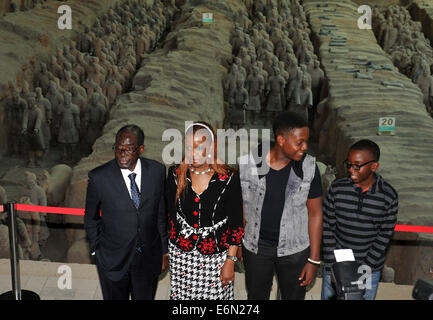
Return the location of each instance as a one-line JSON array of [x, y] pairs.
[[309, 273], [164, 263]]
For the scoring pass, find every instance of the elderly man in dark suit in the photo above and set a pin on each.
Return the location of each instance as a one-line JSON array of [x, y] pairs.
[[126, 221]]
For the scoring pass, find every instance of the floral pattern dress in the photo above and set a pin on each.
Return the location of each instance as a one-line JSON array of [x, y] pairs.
[[201, 229]]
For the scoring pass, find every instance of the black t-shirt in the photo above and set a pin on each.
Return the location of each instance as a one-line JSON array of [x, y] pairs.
[[273, 203]]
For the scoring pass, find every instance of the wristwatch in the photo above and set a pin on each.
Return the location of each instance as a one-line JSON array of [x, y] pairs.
[[233, 258]]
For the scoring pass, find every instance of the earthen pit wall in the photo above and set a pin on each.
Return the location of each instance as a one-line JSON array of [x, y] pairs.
[[356, 106]]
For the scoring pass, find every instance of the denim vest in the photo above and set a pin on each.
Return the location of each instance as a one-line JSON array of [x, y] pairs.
[[294, 235]]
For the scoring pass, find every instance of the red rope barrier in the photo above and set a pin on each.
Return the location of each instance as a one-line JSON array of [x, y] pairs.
[[32, 208], [405, 228], [80, 212]]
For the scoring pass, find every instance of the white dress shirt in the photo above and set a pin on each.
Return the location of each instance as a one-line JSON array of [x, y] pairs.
[[127, 172]]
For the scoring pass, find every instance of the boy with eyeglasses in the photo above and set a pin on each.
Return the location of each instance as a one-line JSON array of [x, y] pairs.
[[359, 213]]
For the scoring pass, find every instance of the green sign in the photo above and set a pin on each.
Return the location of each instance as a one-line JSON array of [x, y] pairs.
[[207, 17], [386, 126]]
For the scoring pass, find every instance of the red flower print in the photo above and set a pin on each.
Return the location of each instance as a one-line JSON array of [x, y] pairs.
[[177, 171], [222, 177], [172, 232], [185, 244], [223, 241], [237, 235], [207, 246]]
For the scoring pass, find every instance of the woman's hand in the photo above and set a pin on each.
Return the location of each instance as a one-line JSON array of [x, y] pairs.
[[227, 275]]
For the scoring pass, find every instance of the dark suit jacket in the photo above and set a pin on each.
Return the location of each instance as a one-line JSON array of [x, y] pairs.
[[113, 235]]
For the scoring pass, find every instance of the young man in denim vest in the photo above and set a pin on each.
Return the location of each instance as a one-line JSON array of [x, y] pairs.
[[282, 197]]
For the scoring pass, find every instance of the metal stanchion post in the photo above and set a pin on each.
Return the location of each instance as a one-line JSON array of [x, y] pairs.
[[16, 292], [13, 245]]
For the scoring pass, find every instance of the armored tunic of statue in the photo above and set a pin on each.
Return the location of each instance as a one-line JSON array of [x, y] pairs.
[[255, 87], [32, 125], [275, 87], [69, 124]]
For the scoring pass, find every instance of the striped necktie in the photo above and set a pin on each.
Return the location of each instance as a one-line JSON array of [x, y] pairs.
[[135, 194]]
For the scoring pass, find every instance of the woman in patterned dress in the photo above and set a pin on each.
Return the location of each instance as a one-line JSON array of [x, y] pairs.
[[204, 201]]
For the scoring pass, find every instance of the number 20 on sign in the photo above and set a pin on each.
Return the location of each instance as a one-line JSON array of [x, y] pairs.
[[386, 126]]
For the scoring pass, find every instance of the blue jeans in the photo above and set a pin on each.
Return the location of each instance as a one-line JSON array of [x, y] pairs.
[[328, 291]]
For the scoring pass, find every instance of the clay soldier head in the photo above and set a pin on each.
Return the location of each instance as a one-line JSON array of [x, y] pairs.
[[53, 86], [275, 60], [53, 60], [95, 98], [30, 179], [44, 68], [299, 74], [259, 64], [293, 60], [303, 67], [425, 69], [66, 50], [74, 90], [282, 65], [25, 88], [239, 83], [15, 96], [234, 68], [68, 98], [308, 58], [255, 70], [38, 92], [31, 100], [67, 75], [252, 54]]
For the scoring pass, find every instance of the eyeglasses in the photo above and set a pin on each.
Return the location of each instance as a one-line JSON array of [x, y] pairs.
[[126, 150], [356, 167]]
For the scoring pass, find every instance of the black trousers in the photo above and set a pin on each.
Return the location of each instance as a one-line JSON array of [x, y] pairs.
[[140, 286], [261, 267]]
